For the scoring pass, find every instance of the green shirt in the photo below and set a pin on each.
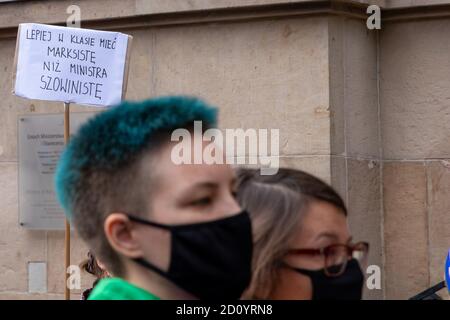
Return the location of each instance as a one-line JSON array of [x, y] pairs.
[[119, 289]]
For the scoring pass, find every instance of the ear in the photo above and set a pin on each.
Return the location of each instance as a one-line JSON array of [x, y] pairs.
[[121, 235]]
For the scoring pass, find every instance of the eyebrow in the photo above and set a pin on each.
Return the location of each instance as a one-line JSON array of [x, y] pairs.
[[196, 187], [202, 185], [331, 235], [326, 235]]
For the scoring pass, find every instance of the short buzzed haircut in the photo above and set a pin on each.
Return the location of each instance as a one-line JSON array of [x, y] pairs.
[[101, 172]]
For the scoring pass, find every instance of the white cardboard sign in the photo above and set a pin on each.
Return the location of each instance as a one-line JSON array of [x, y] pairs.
[[71, 64]]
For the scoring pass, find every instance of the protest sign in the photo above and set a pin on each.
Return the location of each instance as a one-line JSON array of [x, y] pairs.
[[71, 65]]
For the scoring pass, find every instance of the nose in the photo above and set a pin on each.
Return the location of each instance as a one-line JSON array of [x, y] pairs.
[[229, 206]]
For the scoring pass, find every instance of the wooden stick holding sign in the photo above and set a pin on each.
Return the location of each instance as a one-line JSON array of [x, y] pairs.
[[67, 223], [71, 65]]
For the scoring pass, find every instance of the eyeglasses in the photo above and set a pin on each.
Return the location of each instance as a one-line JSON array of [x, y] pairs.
[[336, 256]]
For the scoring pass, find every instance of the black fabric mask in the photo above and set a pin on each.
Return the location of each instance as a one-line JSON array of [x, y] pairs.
[[347, 286], [211, 260]]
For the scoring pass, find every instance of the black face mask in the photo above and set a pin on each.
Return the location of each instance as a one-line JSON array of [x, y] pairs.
[[347, 286], [211, 260]]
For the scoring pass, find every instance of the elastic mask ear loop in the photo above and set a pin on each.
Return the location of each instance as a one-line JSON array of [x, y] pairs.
[[150, 266], [141, 260], [149, 223]]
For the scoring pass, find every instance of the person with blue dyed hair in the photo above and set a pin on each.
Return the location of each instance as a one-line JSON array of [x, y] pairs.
[[163, 230]]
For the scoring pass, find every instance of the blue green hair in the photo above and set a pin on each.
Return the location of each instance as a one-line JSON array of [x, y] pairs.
[[114, 137]]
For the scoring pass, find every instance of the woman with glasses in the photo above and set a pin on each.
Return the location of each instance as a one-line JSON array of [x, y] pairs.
[[303, 248]]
